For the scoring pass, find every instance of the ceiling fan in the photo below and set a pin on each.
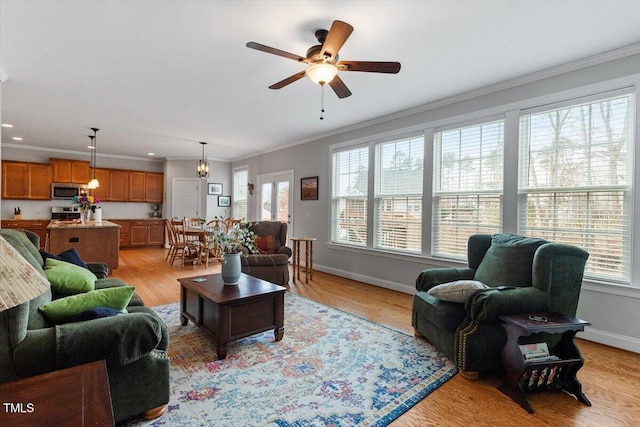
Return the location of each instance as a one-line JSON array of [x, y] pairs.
[[324, 62]]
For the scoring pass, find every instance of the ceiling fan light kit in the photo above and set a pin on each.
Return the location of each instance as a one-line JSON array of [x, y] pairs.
[[324, 63], [322, 73]]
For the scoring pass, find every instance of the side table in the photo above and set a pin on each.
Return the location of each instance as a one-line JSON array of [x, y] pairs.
[[308, 260], [77, 396], [523, 376]]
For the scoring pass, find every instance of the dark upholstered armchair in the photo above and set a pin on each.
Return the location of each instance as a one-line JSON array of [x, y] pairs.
[[133, 344], [545, 276], [272, 263]]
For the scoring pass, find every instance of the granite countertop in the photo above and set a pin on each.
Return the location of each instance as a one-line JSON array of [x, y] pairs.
[[74, 224]]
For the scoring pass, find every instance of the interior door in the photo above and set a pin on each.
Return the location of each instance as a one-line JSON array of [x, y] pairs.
[[185, 198], [276, 198]]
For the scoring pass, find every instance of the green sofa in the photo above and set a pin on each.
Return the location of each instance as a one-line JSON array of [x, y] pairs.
[[545, 276], [134, 344]]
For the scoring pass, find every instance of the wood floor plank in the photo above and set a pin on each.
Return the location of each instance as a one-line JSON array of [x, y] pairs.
[[610, 377]]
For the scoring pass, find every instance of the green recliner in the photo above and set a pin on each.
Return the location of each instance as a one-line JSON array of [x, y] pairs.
[[546, 277], [134, 344]]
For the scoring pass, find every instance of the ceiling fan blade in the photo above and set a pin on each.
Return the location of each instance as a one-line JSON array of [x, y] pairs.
[[288, 80], [274, 51], [339, 87], [338, 34], [369, 66]]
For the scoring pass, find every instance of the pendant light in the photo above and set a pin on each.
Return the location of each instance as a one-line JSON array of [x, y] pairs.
[[94, 183], [202, 166]]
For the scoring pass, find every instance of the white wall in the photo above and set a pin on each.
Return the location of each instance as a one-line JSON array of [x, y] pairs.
[[614, 312]]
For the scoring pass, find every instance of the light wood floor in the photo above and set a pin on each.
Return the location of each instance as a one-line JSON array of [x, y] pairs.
[[610, 377]]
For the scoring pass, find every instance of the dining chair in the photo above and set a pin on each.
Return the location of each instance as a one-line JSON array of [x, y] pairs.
[[191, 243], [211, 250]]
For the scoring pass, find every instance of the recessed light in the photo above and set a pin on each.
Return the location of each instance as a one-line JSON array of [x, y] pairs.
[[7, 125], [151, 154], [17, 138]]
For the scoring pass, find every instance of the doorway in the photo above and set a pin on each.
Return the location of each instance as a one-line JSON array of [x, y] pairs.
[[185, 198], [275, 198]]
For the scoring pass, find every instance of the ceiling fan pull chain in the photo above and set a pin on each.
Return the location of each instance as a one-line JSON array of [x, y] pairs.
[[322, 102]]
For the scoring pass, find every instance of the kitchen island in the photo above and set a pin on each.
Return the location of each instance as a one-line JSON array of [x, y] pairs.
[[94, 242]]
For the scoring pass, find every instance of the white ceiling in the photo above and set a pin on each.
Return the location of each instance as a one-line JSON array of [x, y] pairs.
[[159, 76]]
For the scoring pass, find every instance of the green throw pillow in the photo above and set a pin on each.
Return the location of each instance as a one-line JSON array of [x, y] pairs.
[[508, 261], [67, 278], [58, 310]]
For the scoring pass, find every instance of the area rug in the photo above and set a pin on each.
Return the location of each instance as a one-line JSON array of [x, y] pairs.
[[330, 369]]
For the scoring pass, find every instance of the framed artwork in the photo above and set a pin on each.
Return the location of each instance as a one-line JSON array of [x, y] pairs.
[[309, 188], [214, 188], [224, 201]]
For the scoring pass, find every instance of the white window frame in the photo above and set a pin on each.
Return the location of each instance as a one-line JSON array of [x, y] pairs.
[[239, 190], [526, 191]]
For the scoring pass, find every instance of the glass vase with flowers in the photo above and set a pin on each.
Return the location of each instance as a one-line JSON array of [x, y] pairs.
[[84, 204]]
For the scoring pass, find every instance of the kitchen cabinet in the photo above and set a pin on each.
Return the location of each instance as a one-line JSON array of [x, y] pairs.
[[154, 188], [36, 225], [118, 185], [146, 232], [137, 187], [104, 191], [146, 187], [125, 231], [24, 180], [71, 171]]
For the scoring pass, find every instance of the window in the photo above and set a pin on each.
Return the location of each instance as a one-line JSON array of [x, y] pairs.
[[575, 181], [239, 199], [349, 196], [468, 185], [398, 195]]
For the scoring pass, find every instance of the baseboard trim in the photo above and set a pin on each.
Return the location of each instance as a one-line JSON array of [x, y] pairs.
[[400, 287], [612, 340], [589, 334]]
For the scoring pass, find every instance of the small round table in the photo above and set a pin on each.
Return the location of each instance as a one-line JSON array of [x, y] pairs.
[[308, 261]]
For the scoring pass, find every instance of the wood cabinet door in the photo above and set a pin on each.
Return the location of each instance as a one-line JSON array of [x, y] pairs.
[[154, 187], [118, 185], [39, 181], [104, 178], [61, 170], [137, 186], [156, 234], [14, 180], [138, 233], [80, 172]]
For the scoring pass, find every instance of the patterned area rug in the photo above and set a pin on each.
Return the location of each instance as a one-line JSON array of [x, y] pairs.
[[330, 369]]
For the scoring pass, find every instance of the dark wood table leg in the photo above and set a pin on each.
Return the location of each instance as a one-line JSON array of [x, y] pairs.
[[514, 368]]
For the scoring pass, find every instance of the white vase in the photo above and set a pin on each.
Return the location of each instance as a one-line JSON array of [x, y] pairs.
[[231, 269], [84, 216]]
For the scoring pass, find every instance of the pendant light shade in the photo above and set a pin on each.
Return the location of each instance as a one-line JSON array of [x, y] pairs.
[[94, 183], [202, 166]]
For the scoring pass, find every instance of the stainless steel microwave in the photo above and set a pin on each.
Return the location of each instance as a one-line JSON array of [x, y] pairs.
[[64, 191]]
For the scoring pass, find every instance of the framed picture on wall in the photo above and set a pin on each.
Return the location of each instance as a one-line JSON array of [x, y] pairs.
[[309, 188], [224, 201], [214, 188]]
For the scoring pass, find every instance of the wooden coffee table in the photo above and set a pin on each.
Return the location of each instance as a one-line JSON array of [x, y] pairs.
[[229, 313]]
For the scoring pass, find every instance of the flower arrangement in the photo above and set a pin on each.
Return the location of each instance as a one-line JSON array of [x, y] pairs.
[[85, 202], [235, 240]]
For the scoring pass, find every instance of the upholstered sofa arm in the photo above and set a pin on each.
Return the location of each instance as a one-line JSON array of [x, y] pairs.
[[436, 276], [487, 305], [100, 269], [120, 339], [284, 250]]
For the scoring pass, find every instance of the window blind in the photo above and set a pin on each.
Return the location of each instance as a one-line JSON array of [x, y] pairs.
[[575, 181], [240, 180], [350, 171], [468, 186], [399, 167]]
